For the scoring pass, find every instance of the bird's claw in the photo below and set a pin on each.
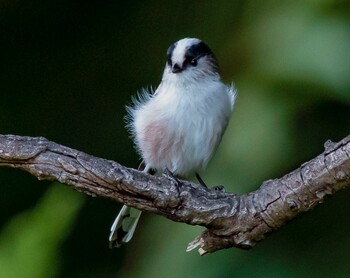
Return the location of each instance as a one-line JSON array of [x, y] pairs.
[[220, 188]]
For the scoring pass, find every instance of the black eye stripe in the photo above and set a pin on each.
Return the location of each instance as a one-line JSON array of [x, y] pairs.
[[188, 58], [198, 50]]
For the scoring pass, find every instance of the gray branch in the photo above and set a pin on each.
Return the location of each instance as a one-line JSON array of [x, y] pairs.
[[231, 220]]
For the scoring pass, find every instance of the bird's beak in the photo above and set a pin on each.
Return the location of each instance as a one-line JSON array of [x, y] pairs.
[[176, 68]]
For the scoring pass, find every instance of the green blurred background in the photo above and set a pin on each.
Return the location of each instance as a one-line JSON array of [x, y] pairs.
[[67, 69]]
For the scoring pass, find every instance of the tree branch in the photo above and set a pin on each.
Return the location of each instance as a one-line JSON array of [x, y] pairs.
[[231, 220]]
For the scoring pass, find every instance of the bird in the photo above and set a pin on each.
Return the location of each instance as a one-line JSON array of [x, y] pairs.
[[178, 127]]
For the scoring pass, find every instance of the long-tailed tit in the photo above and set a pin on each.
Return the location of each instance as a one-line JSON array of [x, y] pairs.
[[180, 125]]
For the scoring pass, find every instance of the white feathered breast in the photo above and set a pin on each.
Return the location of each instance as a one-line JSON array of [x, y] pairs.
[[180, 128]]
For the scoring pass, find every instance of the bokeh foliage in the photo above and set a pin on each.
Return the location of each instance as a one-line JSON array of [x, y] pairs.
[[69, 67]]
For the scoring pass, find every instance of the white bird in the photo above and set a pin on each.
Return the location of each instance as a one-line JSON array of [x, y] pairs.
[[180, 125]]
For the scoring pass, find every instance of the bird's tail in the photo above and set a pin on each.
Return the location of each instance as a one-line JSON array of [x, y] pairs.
[[125, 224]]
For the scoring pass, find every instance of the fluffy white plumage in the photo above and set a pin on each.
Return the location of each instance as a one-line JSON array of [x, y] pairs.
[[180, 125]]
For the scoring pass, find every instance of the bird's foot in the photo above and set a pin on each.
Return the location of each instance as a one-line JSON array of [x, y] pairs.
[[220, 188]]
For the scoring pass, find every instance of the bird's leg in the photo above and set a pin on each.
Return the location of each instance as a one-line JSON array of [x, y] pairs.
[[216, 187], [142, 167], [201, 182]]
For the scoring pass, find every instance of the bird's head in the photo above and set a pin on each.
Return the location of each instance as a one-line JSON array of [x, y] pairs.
[[190, 58]]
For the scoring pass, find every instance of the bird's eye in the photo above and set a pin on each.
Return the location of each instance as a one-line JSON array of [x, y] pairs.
[[190, 60], [194, 62]]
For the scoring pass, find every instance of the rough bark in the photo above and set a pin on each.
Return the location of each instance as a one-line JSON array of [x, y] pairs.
[[231, 220]]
